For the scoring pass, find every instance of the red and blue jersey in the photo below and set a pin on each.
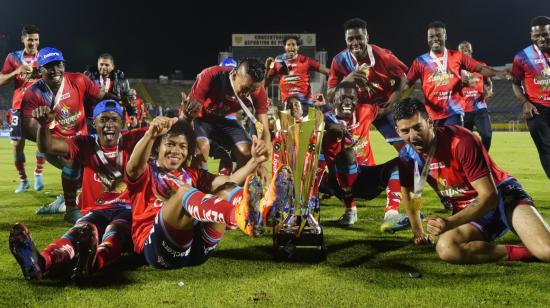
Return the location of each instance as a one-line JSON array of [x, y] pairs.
[[358, 137], [294, 75], [442, 90], [152, 189], [472, 95], [459, 160], [21, 82], [382, 77], [70, 119], [213, 90], [529, 67], [96, 194]]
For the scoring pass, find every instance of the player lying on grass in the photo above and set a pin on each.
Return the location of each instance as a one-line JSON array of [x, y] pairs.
[[486, 200], [105, 199], [180, 213]]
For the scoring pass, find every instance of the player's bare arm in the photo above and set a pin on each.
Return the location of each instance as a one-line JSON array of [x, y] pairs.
[[138, 160], [21, 70], [529, 110]]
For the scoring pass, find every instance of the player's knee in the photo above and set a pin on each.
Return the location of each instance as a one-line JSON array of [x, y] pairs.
[[448, 251], [542, 253], [182, 191]]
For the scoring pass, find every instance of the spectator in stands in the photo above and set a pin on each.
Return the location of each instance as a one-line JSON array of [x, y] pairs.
[[531, 85], [475, 90], [138, 119], [21, 67]]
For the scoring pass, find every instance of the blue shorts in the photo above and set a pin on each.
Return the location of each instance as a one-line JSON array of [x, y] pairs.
[[386, 126], [495, 223], [15, 125], [161, 251], [102, 218], [226, 132]]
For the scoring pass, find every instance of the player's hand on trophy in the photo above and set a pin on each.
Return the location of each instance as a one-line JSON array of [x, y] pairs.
[[44, 115], [259, 150], [319, 100], [160, 126]]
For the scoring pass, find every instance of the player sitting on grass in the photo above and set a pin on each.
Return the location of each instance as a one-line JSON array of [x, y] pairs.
[[105, 199], [486, 200], [180, 213]]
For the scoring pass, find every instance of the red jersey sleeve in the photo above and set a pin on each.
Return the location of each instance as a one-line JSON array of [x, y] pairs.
[[469, 63], [336, 74], [470, 154], [199, 91], [29, 103], [202, 180], [8, 66], [138, 185], [259, 98], [395, 67], [518, 70], [313, 64], [414, 72]]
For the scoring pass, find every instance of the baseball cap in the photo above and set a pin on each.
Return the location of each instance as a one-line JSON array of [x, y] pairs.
[[49, 54], [108, 105]]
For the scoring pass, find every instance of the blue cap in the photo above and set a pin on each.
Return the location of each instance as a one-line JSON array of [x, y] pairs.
[[229, 61], [49, 54], [108, 105]]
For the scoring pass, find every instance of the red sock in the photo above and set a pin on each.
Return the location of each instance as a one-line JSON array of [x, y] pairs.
[[57, 253], [347, 178], [393, 193], [519, 253], [210, 236], [108, 251], [209, 208], [19, 162], [40, 160], [349, 202]]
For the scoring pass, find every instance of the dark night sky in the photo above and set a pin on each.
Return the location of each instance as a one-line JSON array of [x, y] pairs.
[[149, 39]]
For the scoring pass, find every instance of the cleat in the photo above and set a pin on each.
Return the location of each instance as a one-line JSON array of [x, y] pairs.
[[85, 249], [72, 214], [26, 254], [56, 207], [23, 185], [248, 210], [38, 182], [348, 218], [394, 223]]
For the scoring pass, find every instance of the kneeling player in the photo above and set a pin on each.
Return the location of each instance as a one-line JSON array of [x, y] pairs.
[[486, 200], [105, 199], [352, 172], [176, 221]]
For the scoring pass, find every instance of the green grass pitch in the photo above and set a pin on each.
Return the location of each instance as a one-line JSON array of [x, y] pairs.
[[364, 267]]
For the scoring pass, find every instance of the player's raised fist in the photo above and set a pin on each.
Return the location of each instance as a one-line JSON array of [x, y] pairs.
[[160, 126], [43, 115]]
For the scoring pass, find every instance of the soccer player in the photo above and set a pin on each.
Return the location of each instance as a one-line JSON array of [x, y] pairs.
[[21, 67], [222, 90], [136, 102], [531, 85], [64, 93], [379, 77], [486, 200], [293, 70], [180, 213], [347, 158], [105, 200], [439, 71], [476, 89]]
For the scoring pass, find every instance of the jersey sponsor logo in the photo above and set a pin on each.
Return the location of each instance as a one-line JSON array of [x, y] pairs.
[[437, 165]]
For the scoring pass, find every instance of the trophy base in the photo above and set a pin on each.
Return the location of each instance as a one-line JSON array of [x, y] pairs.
[[309, 246]]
